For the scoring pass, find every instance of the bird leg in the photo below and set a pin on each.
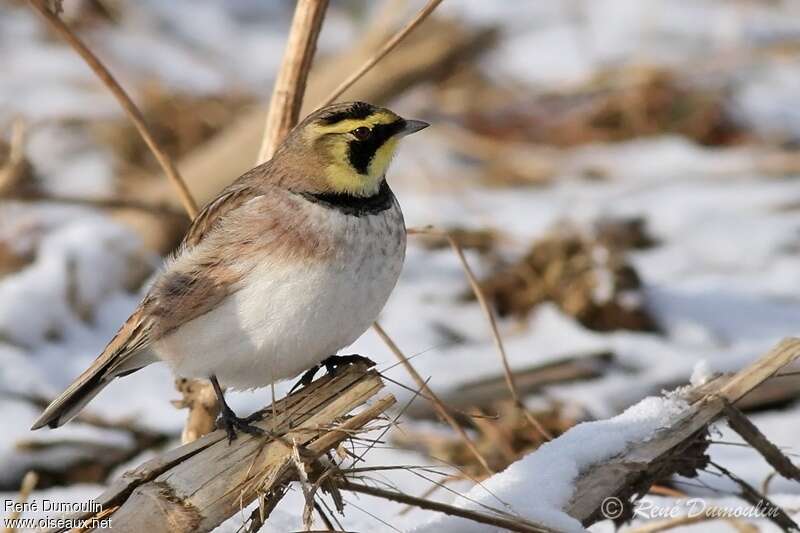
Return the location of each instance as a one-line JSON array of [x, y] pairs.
[[228, 419], [331, 364]]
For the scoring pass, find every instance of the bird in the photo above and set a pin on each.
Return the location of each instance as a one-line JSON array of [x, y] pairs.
[[289, 264]]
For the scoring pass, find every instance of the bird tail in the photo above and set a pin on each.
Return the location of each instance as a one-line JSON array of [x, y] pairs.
[[88, 385]]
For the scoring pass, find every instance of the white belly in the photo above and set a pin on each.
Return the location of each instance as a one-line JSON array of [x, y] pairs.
[[289, 316]]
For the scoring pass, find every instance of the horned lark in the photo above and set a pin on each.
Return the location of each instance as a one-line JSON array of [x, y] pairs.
[[288, 265]]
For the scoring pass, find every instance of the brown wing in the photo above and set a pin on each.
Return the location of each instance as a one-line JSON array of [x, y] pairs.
[[229, 200], [174, 299], [135, 334], [191, 289]]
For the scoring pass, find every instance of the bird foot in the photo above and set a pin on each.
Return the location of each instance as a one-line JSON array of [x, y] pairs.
[[331, 365], [333, 362], [232, 424]]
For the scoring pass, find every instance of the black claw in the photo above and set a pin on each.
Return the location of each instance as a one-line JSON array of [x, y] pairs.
[[228, 419], [233, 424], [330, 367], [255, 417], [306, 378], [331, 364]]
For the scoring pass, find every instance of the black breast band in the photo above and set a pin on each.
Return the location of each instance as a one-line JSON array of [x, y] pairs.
[[350, 204]]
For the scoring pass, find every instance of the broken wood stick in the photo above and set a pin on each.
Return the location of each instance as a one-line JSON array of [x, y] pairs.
[[749, 494], [669, 450], [199, 485], [751, 434], [199, 398]]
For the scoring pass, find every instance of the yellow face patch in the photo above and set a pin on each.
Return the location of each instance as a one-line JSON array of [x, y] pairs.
[[343, 178], [383, 156], [342, 175]]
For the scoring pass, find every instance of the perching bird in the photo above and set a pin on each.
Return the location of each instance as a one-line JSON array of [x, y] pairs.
[[289, 264]]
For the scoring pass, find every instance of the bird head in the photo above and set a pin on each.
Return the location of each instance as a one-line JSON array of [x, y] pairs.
[[350, 145]]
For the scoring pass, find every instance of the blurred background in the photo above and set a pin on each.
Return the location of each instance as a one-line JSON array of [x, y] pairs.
[[622, 174]]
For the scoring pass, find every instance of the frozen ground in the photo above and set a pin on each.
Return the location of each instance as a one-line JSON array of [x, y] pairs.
[[723, 281]]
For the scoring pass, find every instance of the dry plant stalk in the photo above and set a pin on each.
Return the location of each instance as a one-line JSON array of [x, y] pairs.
[[441, 409], [15, 168], [487, 311], [498, 340], [287, 96], [382, 52], [124, 101], [199, 397], [28, 485], [509, 522]]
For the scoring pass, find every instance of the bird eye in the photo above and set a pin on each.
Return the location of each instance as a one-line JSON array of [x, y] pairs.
[[362, 133]]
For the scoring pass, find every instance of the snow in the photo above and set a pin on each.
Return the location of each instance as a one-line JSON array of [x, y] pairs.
[[722, 282], [540, 485], [701, 373], [42, 300]]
